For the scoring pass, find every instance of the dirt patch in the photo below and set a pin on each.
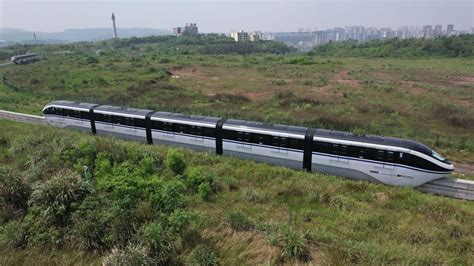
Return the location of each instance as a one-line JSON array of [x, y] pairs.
[[256, 95], [464, 168], [464, 81], [341, 78], [464, 103], [184, 71]]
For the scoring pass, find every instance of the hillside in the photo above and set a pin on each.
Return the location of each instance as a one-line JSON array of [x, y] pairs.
[[77, 35], [148, 204], [455, 46], [71, 198]]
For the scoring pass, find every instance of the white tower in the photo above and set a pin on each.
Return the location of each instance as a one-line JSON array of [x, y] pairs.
[[115, 29]]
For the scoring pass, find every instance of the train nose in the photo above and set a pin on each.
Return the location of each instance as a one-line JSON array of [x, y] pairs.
[[450, 167]]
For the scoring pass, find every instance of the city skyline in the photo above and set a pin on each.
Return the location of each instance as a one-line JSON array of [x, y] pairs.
[[268, 16]]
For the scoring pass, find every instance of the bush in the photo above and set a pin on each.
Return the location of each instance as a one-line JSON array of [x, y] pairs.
[[56, 196], [198, 176], [292, 244], [14, 192], [175, 161], [160, 241], [204, 190], [131, 255], [170, 197], [239, 221], [232, 183], [14, 234], [203, 255]]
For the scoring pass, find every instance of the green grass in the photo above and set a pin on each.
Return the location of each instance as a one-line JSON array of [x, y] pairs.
[[256, 213], [427, 99], [148, 204]]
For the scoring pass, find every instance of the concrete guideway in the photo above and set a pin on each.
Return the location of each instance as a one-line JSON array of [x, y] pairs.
[[449, 187], [19, 117]]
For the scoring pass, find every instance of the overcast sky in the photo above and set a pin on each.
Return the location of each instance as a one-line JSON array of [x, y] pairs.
[[227, 15]]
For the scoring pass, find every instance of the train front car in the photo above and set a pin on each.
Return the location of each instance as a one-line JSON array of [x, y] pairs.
[[262, 142], [390, 161], [68, 114]]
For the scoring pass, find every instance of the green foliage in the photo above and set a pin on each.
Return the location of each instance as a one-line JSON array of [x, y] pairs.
[[57, 197], [204, 190], [293, 244], [171, 196], [133, 255], [204, 256], [14, 193], [453, 46], [198, 176], [160, 241], [239, 221], [14, 234], [175, 161]]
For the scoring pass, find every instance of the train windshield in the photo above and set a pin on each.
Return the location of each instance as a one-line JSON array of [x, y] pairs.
[[438, 156]]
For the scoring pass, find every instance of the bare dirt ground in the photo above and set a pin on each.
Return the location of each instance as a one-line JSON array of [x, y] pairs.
[[342, 78], [464, 168]]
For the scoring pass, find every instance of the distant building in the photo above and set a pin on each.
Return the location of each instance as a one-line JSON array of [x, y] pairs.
[[188, 29], [427, 31], [255, 36], [438, 31], [240, 36], [449, 29]]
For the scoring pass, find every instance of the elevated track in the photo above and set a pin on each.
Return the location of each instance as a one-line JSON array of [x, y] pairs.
[[449, 187]]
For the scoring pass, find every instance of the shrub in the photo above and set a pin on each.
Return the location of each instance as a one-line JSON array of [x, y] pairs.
[[14, 192], [232, 183], [198, 176], [170, 197], [57, 195], [179, 220], [203, 255], [175, 161], [160, 241], [14, 234], [239, 221], [293, 244], [204, 190], [130, 255]]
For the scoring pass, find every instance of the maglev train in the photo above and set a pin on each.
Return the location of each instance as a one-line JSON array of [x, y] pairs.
[[390, 161], [24, 58]]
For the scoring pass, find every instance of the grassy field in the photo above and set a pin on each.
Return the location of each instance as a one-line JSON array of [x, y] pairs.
[[429, 100], [252, 213], [141, 204]]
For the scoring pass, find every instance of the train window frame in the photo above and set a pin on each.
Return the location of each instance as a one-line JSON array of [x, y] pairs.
[[390, 156], [380, 155]]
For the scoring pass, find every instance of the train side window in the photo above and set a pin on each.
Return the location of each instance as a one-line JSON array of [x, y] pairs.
[[85, 115], [296, 144], [196, 130], [140, 122], [380, 155], [275, 141], [284, 142], [209, 132], [390, 156], [247, 137], [343, 150], [335, 149]]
